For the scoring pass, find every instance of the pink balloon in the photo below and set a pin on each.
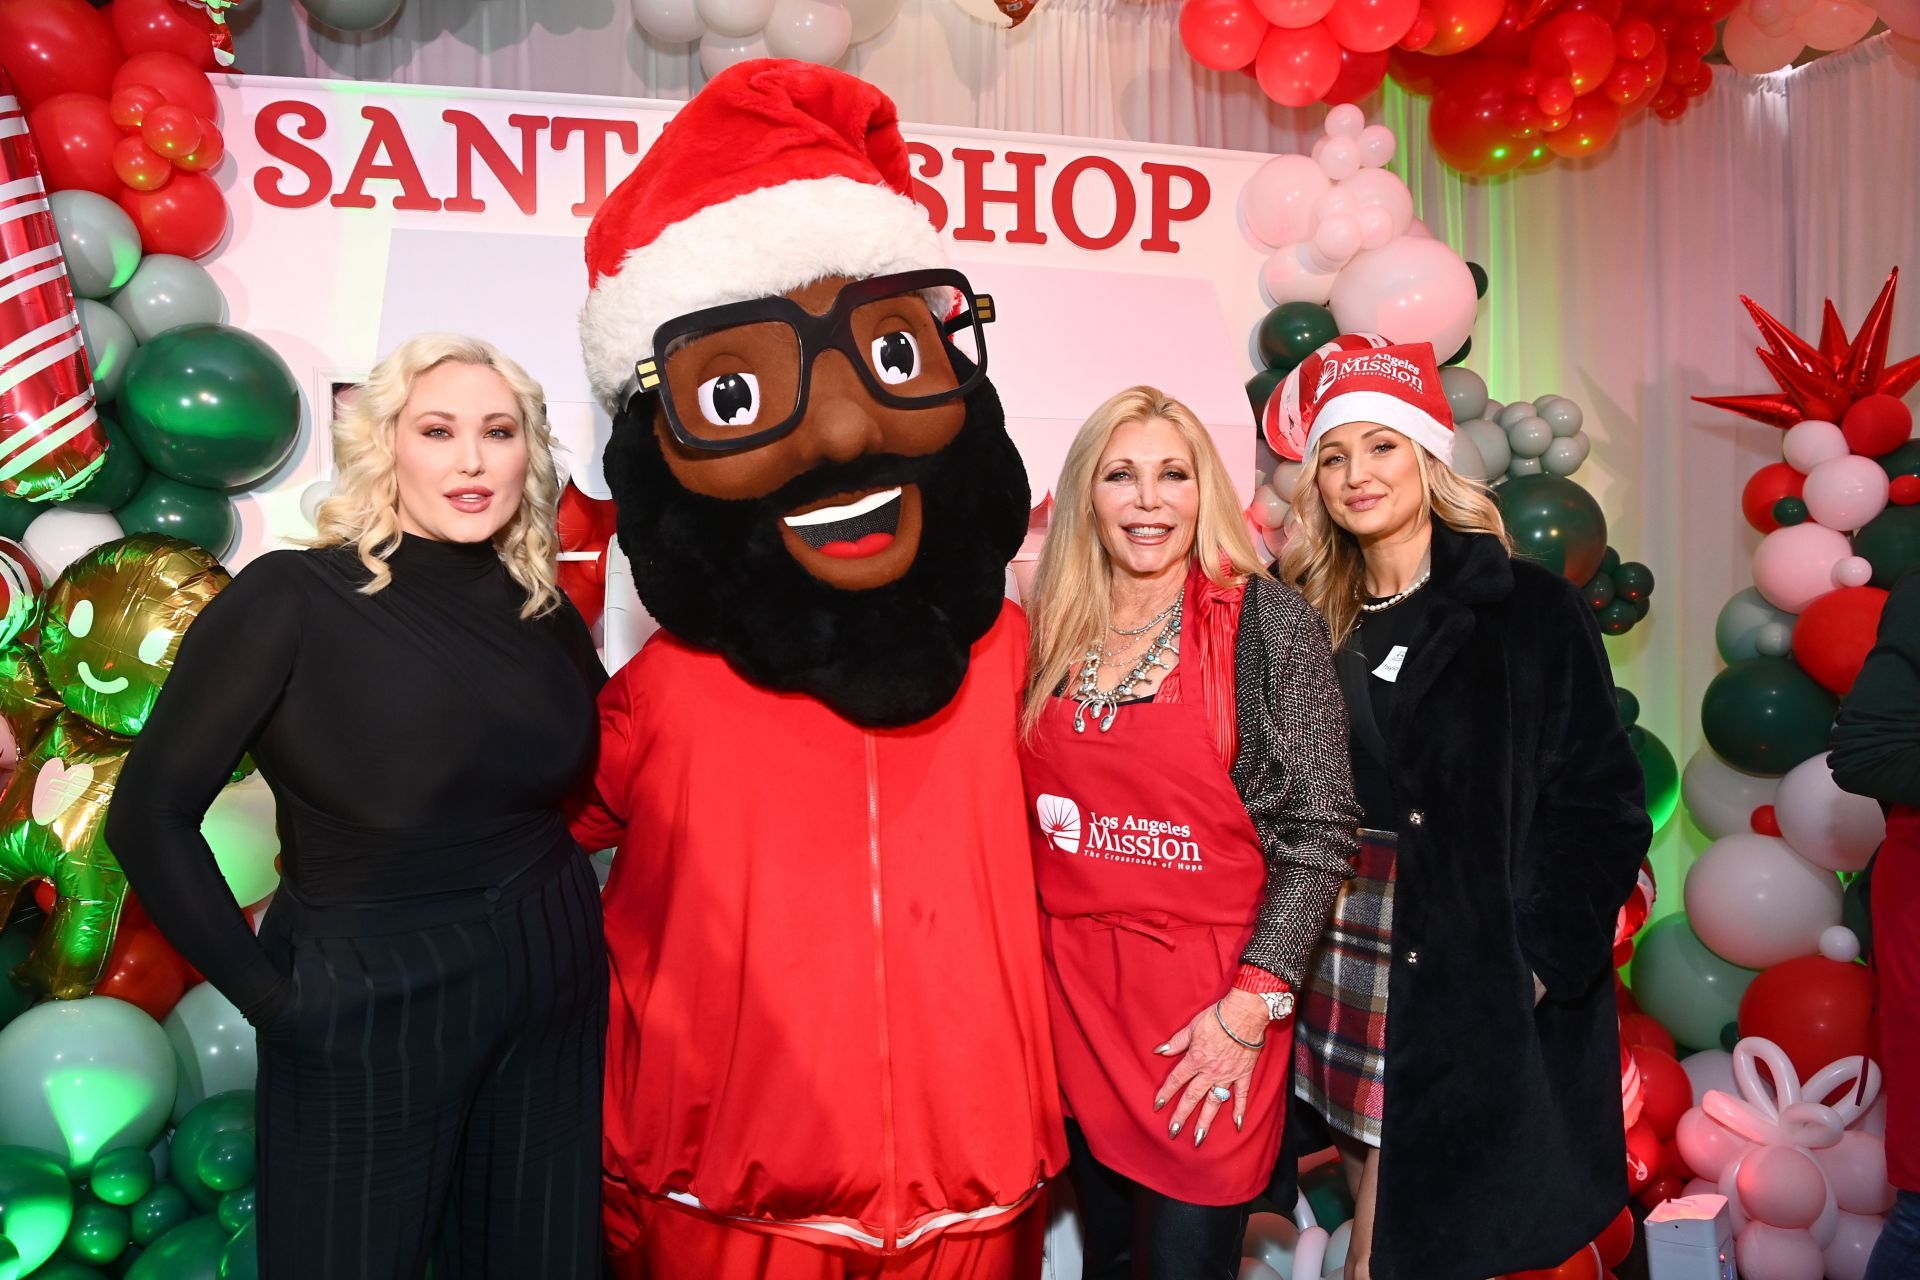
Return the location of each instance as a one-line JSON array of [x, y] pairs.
[[1853, 1241], [1905, 48], [1857, 1169], [1808, 444], [1413, 290], [1845, 493], [1706, 1145], [1793, 566], [1385, 191], [1903, 16], [1278, 200], [1755, 52], [1764, 1252], [1293, 13], [1781, 1186], [1289, 277], [1754, 903], [1826, 826], [1854, 571], [1836, 24]]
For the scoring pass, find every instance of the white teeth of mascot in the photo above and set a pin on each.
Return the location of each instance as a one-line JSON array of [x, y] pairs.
[[831, 515]]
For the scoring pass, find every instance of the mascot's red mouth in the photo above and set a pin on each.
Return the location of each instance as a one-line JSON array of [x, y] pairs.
[[850, 530], [857, 540]]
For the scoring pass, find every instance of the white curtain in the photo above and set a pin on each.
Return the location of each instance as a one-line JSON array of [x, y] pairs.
[[1614, 281]]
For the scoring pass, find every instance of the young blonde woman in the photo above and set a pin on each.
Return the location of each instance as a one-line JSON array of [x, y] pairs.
[[429, 989], [1457, 1033], [1192, 818]]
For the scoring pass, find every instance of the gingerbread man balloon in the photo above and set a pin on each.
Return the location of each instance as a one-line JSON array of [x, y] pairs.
[[109, 630]]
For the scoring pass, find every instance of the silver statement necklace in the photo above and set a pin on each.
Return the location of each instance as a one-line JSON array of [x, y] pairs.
[[1105, 706]]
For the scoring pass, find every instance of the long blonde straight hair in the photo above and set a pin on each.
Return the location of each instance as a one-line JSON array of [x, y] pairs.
[[364, 510], [1071, 603], [1323, 560]]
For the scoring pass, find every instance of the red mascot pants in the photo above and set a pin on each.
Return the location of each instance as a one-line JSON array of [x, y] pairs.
[[649, 1238]]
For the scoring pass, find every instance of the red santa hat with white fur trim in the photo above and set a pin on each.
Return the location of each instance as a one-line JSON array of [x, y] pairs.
[[1361, 378], [777, 174]]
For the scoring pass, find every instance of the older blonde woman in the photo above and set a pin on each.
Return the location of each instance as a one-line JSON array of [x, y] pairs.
[[1185, 758], [429, 989]]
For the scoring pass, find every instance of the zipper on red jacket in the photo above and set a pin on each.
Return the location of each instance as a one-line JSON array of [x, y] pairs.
[[889, 1195]]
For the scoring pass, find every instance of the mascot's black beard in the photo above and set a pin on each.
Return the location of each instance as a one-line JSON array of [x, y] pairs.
[[717, 574]]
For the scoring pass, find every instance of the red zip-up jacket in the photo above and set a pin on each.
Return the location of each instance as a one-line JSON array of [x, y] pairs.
[[827, 1008]]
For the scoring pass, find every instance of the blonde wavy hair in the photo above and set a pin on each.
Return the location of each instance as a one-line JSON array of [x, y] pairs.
[[1324, 562], [364, 510], [1071, 606]]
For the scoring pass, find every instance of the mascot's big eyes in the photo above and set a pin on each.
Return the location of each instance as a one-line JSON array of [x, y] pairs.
[[730, 400], [896, 357]]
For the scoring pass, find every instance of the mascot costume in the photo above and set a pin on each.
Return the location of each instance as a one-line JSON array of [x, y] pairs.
[[828, 1052]]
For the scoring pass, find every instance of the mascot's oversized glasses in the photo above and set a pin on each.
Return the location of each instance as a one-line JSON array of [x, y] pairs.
[[736, 377]]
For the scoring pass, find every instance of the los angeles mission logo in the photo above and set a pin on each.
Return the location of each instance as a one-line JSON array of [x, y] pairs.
[[1371, 364], [1116, 838]]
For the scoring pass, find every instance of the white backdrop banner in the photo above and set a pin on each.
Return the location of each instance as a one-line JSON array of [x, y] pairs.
[[363, 214]]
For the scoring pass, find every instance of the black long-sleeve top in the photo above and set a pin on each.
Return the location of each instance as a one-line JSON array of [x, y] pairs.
[[417, 740], [1876, 741]]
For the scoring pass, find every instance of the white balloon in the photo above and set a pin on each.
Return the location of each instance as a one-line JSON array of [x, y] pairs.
[[669, 21], [1410, 291], [1808, 444], [1709, 1069], [717, 53], [1340, 158], [1828, 827], [871, 17], [1345, 121], [1489, 441], [1754, 903], [1773, 639], [213, 1046], [58, 537], [1844, 493], [312, 496], [1337, 239], [1466, 461], [1271, 1238], [1854, 571], [1254, 1269], [815, 31], [1286, 478], [1377, 145], [1840, 944], [1278, 200], [1376, 227], [1288, 277], [1720, 798], [1376, 188], [1268, 508], [734, 17]]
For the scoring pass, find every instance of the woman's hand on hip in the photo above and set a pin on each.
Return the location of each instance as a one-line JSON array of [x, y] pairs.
[[1210, 1060]]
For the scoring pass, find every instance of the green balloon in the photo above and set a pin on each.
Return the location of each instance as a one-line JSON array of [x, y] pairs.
[[64, 1269], [211, 405], [237, 1208], [36, 1208], [1610, 562], [191, 1251], [1766, 715], [118, 478], [100, 1232], [226, 1162], [1479, 274], [1627, 705], [123, 1177], [162, 504], [203, 1130], [1261, 386], [1292, 331], [83, 1077], [1634, 581], [16, 514], [1788, 512], [1662, 775], [1891, 542], [1618, 617], [1904, 461], [1325, 1190], [158, 1212], [1556, 522], [1466, 349], [1687, 989], [241, 1261], [1856, 909]]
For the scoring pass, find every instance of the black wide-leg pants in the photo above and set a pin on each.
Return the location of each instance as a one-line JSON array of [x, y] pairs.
[[433, 1091]]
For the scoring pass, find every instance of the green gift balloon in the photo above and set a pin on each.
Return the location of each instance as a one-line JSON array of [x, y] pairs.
[[211, 405], [1292, 331], [1555, 521], [1766, 715], [36, 1207], [100, 1233], [184, 511], [158, 1212], [1891, 543], [1687, 989], [118, 478], [191, 1251], [212, 1127]]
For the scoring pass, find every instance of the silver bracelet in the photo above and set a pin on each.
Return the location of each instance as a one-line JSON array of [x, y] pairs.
[[1229, 1030]]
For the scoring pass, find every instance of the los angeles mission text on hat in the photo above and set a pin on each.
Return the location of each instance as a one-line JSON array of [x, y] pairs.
[[1092, 201]]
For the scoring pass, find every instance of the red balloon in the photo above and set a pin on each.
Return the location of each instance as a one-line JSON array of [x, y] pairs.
[[1590, 127], [1419, 73], [1459, 25], [1876, 425], [1665, 1091], [1297, 66], [170, 130], [1584, 1265], [1555, 96], [75, 135], [1831, 639], [1670, 103], [1765, 487], [1643, 1154], [1608, 11], [1616, 1242], [178, 80], [140, 166], [1701, 82], [1370, 26], [51, 47], [143, 970], [1765, 821], [167, 26], [1524, 119], [44, 896], [1222, 34], [187, 216], [1634, 39], [207, 154], [130, 105], [1641, 1028], [1696, 35], [1625, 84], [1667, 1186], [1360, 74], [1904, 491], [1817, 1010], [1469, 119], [1578, 46], [1421, 33]]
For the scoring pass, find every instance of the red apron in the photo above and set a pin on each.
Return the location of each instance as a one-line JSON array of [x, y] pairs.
[[1150, 878]]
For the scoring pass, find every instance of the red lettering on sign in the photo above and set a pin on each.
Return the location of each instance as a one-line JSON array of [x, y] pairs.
[[973, 167], [471, 138], [385, 154], [595, 135], [1123, 202], [309, 123], [930, 165], [1163, 211]]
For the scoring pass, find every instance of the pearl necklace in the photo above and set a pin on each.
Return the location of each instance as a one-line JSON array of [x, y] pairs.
[[1105, 706], [1379, 605]]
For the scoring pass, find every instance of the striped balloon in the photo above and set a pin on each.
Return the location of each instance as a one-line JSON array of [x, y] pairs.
[[51, 441], [20, 588]]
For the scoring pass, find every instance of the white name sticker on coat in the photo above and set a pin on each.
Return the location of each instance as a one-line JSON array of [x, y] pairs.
[[1390, 669]]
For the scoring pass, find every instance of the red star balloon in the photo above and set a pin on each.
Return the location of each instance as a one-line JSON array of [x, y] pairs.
[[1823, 381]]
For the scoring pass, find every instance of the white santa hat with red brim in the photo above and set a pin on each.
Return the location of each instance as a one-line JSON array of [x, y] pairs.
[[1361, 377], [774, 176]]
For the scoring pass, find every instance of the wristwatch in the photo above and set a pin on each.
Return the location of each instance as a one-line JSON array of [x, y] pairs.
[[1279, 1004]]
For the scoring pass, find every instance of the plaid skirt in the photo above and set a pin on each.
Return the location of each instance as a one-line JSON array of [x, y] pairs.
[[1340, 1038]]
